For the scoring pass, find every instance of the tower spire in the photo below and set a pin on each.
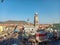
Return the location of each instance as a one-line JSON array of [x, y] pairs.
[[36, 21]]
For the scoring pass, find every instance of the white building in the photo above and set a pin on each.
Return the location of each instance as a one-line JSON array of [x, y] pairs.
[[30, 29]]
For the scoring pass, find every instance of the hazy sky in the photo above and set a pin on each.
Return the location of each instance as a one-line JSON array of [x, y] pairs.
[[49, 10]]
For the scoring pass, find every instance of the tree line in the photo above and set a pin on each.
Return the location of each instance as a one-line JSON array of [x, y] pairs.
[[56, 26]]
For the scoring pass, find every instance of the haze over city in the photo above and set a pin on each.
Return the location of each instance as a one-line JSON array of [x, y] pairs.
[[48, 10]]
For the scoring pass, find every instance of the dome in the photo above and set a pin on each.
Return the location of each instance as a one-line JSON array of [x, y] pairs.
[[36, 13]]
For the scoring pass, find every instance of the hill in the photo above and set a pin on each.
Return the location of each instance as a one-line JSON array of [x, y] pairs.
[[13, 22]]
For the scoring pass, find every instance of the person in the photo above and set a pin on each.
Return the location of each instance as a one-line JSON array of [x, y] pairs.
[[25, 37], [54, 34], [5, 37]]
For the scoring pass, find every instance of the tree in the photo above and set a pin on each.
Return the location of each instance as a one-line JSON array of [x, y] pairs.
[[56, 26]]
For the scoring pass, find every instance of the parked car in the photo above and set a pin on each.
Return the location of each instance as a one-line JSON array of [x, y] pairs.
[[50, 35], [41, 36]]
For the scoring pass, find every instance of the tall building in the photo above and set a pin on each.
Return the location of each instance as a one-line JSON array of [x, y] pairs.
[[36, 21]]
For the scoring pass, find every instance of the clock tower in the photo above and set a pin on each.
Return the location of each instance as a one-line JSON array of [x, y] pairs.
[[36, 21]]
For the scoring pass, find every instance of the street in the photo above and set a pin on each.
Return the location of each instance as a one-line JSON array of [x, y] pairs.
[[18, 42], [57, 42]]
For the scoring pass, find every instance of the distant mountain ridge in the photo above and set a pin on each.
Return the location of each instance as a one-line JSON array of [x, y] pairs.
[[13, 22]]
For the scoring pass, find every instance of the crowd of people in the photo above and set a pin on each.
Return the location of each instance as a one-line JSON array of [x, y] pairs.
[[24, 38]]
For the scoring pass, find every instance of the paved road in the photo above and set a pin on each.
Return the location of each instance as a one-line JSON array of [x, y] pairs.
[[19, 42], [57, 42]]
